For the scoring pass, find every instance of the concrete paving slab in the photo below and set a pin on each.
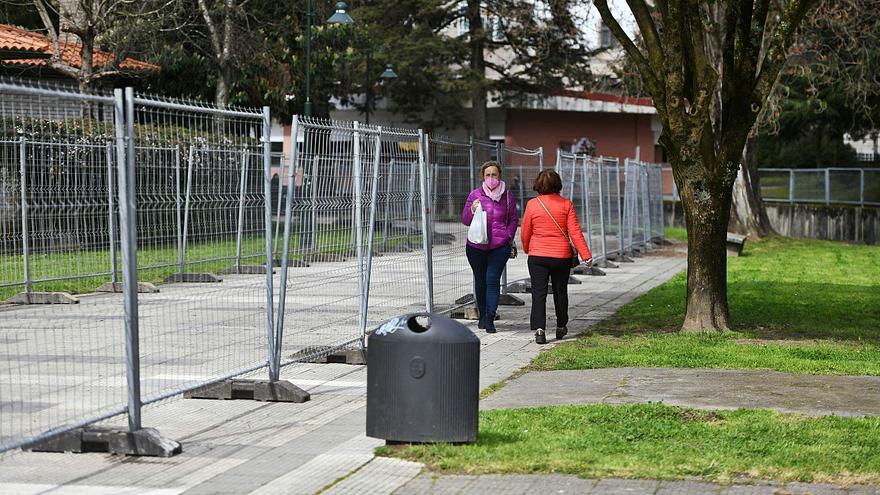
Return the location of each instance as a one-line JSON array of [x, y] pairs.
[[435, 484], [813, 395]]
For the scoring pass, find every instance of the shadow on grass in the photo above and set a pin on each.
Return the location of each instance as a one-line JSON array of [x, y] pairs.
[[762, 310], [495, 439]]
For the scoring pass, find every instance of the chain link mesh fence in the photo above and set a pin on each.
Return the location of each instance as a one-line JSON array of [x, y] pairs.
[[363, 223]]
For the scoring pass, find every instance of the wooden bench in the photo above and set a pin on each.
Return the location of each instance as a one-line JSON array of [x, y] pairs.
[[735, 244]]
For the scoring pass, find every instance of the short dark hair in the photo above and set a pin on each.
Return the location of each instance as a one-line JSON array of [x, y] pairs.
[[548, 182], [491, 163]]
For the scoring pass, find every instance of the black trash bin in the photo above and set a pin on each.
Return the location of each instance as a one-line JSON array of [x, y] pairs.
[[423, 380]]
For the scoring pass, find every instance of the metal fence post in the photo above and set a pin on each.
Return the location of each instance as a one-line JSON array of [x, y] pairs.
[[862, 186], [790, 186], [602, 211], [410, 198], [242, 186], [372, 226], [181, 255], [388, 184], [827, 186], [619, 209], [646, 206], [22, 160], [429, 269], [178, 205], [586, 193], [277, 222], [273, 338], [275, 349], [541, 158], [358, 223], [128, 227], [111, 218]]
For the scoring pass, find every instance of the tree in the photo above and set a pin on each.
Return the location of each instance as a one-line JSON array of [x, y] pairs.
[[418, 37], [829, 87], [91, 22], [252, 55], [529, 48], [710, 67]]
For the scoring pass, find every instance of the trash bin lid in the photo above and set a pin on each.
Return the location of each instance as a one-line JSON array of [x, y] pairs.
[[424, 328]]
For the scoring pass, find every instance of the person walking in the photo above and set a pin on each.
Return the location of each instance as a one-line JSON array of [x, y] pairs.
[[550, 230], [488, 260]]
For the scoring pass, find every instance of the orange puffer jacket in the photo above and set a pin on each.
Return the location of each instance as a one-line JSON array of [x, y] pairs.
[[539, 234]]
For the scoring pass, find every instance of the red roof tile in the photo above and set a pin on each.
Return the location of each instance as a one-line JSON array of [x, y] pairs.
[[13, 38]]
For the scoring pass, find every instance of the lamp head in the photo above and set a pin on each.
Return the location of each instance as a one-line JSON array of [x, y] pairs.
[[340, 16]]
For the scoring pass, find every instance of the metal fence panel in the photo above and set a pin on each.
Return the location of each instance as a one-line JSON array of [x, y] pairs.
[[655, 195], [451, 166], [871, 186], [200, 202], [844, 185], [824, 185], [366, 220], [63, 365]]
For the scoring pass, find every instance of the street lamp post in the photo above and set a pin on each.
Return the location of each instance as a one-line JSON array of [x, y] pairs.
[[388, 75], [338, 17]]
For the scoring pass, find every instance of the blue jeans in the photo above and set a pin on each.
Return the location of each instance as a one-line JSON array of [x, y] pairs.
[[487, 267]]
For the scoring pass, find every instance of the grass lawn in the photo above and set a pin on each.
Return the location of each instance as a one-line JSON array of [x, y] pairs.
[[73, 268], [662, 442], [796, 305]]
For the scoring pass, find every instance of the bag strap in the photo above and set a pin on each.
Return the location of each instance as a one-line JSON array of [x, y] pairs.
[[555, 222]]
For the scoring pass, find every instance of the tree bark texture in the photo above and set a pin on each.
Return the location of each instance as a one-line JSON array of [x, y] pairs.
[[706, 208], [748, 204]]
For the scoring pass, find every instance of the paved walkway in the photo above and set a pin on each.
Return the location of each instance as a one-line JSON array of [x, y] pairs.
[[246, 446], [271, 448], [557, 483], [700, 388]]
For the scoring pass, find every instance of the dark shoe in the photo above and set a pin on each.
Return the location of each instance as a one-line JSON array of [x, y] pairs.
[[540, 338], [490, 324], [482, 323], [561, 332]]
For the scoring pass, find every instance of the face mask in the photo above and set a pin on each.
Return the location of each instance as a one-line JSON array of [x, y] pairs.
[[492, 182]]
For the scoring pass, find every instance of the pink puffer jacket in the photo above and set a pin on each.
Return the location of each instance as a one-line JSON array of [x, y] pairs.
[[501, 216]]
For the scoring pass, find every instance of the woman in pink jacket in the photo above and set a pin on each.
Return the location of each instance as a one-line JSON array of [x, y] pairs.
[[488, 260]]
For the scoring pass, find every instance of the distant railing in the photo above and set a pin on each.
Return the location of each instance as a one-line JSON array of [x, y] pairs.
[[834, 185]]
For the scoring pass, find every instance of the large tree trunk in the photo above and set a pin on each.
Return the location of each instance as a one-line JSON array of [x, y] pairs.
[[706, 205], [748, 205], [479, 100], [221, 96]]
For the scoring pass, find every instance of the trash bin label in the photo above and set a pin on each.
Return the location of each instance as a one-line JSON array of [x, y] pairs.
[[417, 367]]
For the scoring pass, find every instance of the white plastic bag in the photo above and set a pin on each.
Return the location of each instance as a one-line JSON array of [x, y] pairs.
[[477, 230]]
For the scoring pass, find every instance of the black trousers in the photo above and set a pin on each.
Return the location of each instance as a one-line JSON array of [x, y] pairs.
[[542, 269]]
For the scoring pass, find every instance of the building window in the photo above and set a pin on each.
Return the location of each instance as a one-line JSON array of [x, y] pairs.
[[606, 38]]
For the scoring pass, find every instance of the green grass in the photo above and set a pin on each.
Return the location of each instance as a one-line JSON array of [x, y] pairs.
[[796, 305], [662, 442], [74, 266], [675, 233]]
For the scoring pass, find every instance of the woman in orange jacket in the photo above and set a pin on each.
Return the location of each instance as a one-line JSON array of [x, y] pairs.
[[548, 224]]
